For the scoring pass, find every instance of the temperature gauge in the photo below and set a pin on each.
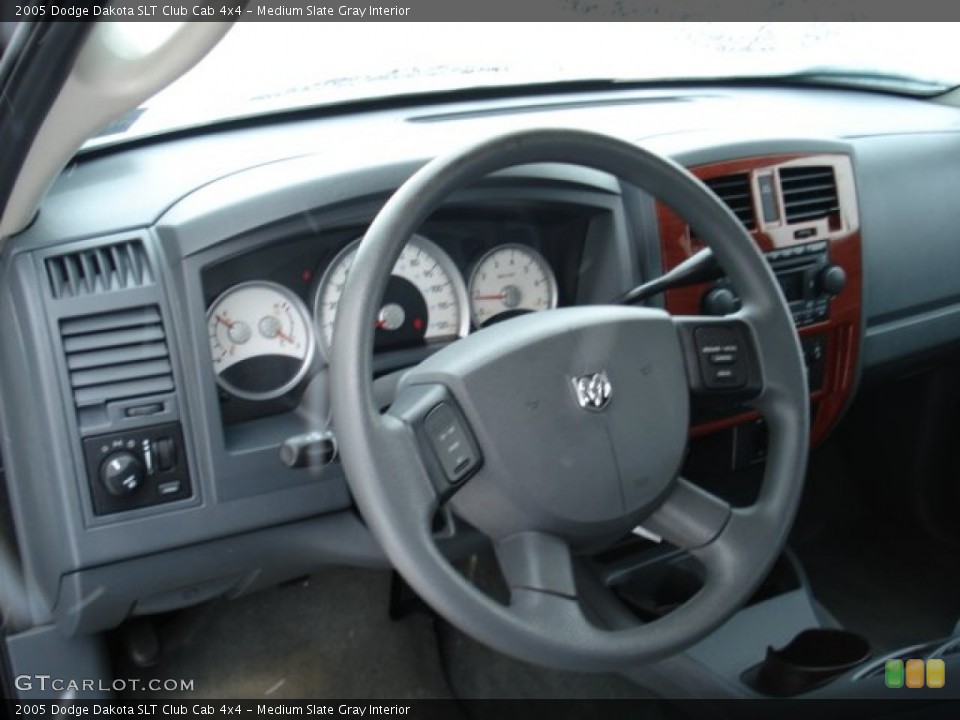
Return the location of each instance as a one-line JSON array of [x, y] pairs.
[[261, 340]]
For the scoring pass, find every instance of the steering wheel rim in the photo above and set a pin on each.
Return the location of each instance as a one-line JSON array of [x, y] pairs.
[[393, 479]]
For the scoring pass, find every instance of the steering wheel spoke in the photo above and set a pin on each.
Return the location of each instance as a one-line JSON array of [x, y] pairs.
[[536, 561], [538, 569], [689, 517]]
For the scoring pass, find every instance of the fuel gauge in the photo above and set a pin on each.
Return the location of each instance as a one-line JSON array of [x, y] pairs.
[[261, 340]]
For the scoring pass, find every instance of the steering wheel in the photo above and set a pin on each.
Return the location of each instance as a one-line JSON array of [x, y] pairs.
[[559, 430]]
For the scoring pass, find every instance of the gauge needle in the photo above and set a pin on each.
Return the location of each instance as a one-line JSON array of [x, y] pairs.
[[225, 321], [283, 336], [381, 324], [501, 296]]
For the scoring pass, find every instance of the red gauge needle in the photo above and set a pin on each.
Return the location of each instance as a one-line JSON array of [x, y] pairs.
[[225, 321], [380, 324], [283, 336], [501, 296]]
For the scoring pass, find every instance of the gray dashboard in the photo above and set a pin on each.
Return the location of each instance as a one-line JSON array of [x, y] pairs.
[[241, 519]]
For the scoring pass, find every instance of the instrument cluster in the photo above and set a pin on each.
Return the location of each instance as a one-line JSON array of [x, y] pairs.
[[267, 333]]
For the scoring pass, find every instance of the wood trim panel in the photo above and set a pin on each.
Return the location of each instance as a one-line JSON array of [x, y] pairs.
[[842, 231]]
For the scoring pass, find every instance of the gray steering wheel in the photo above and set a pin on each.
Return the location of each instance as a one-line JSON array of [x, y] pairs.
[[559, 430]]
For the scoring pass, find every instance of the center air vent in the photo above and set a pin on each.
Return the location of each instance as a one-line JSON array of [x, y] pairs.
[[735, 192], [115, 356], [809, 193], [97, 270]]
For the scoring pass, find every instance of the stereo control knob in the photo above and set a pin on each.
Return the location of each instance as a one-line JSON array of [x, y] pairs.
[[720, 301], [832, 279], [121, 473]]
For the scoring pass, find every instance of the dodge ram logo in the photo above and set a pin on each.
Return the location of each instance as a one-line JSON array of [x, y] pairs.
[[593, 391]]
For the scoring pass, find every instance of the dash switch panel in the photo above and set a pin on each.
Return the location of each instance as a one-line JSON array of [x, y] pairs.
[[136, 469]]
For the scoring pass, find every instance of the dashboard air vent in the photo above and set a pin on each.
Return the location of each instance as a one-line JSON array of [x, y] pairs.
[[735, 192], [116, 355], [809, 193], [97, 270]]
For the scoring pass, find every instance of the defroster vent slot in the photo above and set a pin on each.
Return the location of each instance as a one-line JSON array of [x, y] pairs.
[[116, 356]]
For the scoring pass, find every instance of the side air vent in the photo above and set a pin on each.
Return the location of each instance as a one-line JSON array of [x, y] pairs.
[[809, 193], [735, 192], [117, 355], [98, 270]]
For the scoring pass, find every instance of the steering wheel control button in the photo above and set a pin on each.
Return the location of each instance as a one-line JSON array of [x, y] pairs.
[[136, 469], [722, 358], [451, 444], [121, 473], [722, 363]]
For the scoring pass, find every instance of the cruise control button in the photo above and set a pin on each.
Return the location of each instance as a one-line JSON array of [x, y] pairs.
[[450, 442], [726, 377], [722, 365]]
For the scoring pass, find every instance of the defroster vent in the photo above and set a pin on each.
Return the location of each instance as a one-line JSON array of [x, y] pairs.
[[118, 266], [809, 193], [117, 355], [735, 192]]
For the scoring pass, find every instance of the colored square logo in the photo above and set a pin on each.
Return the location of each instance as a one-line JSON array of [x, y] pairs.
[[893, 673], [936, 672], [914, 673]]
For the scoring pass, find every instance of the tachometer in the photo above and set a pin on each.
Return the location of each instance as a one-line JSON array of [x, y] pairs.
[[425, 298], [509, 280], [261, 339]]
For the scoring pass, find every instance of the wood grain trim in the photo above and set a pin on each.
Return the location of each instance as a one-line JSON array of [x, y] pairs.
[[841, 330]]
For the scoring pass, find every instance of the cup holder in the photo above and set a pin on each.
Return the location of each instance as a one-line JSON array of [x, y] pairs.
[[811, 659]]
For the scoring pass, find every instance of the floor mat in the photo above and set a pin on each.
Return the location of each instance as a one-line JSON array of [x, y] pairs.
[[329, 636], [504, 677]]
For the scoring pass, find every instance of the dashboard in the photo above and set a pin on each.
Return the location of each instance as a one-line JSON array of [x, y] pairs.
[[173, 304]]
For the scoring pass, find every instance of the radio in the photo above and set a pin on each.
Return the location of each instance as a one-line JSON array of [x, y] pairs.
[[806, 276]]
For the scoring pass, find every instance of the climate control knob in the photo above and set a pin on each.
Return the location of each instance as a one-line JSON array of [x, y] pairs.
[[121, 473], [832, 279], [720, 301]]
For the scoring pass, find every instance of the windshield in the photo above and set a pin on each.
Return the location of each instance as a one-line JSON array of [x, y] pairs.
[[268, 67]]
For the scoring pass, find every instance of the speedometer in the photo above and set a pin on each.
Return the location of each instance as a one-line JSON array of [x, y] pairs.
[[261, 340], [425, 300]]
